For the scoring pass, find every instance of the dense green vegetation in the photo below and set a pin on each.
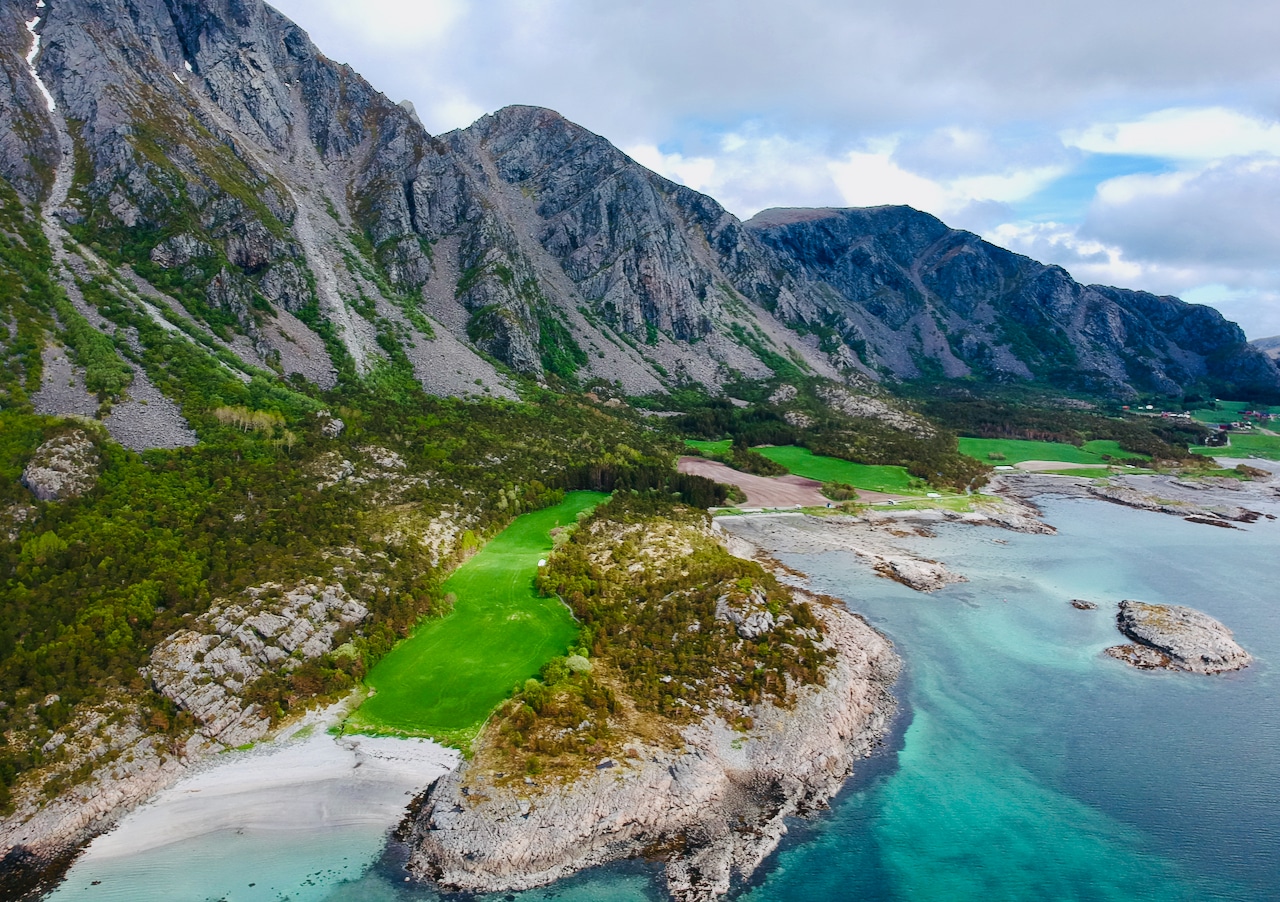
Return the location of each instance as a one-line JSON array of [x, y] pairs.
[[445, 679], [651, 644], [27, 297], [995, 416], [803, 462]]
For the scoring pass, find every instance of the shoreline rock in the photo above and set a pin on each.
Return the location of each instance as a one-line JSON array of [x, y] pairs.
[[1209, 501], [713, 809], [1174, 637]]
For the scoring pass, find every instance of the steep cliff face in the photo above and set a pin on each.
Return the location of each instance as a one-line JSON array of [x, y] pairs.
[[930, 300]]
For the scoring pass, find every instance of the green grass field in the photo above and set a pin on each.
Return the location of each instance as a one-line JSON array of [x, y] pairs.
[[1016, 451], [1245, 445], [443, 681], [1229, 411], [803, 462], [720, 447]]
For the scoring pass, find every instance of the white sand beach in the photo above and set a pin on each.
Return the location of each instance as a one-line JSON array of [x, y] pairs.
[[305, 784]]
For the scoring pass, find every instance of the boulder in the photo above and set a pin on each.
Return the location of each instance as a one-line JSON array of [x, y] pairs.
[[63, 467]]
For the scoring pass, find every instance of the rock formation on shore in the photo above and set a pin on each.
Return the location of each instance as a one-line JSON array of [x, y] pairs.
[[1173, 637], [713, 809]]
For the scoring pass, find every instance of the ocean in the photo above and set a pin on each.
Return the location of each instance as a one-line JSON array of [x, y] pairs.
[[1024, 764]]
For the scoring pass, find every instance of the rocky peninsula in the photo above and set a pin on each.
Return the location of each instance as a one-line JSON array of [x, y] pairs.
[[1174, 637], [703, 781], [712, 808]]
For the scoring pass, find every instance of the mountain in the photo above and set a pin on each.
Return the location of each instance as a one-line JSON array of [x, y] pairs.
[[1268, 346], [269, 203], [930, 300]]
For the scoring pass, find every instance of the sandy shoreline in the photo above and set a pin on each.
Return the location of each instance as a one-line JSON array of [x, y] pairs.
[[316, 782]]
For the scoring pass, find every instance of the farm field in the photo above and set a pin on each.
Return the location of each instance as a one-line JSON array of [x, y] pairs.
[[1245, 445], [1018, 451], [443, 681], [803, 462], [1229, 411]]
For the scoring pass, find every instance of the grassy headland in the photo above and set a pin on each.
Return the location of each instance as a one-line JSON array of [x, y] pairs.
[[445, 679]]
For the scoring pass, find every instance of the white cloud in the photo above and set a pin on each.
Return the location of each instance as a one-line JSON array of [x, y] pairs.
[[1182, 134], [1224, 214], [395, 25], [870, 179], [749, 171]]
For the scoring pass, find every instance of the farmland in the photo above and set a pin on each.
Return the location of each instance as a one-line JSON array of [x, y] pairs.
[[1016, 451]]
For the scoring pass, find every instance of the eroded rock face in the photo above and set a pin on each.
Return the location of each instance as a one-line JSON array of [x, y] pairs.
[[751, 617], [63, 467], [1173, 637], [206, 669], [718, 804]]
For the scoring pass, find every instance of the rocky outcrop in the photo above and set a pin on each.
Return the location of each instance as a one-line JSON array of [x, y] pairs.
[[127, 761], [206, 669], [1173, 637], [1208, 501], [63, 467], [712, 809]]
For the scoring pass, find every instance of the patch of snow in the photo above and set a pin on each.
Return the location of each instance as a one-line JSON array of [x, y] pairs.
[[178, 78], [187, 66], [31, 59]]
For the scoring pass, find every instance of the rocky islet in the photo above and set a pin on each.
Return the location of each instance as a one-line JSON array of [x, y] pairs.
[[1175, 637]]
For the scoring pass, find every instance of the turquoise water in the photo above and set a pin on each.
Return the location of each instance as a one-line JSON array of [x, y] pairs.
[[1025, 765]]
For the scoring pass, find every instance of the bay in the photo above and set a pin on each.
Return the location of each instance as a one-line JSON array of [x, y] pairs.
[[1024, 764]]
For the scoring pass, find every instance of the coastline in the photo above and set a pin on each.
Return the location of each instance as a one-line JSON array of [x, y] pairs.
[[246, 775], [304, 782], [713, 809]]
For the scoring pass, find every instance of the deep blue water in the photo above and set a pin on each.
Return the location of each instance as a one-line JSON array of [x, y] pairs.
[[1025, 765]]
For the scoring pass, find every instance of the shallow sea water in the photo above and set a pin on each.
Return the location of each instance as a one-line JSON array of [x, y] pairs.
[[1025, 764]]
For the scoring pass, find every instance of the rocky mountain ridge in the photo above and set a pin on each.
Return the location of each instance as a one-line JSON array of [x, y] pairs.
[[213, 168]]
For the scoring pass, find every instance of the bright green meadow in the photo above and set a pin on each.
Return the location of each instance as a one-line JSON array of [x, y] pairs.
[[720, 447], [1246, 445], [803, 462], [1017, 451], [443, 681]]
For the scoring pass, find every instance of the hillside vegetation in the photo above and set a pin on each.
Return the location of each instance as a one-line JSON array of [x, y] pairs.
[[673, 627]]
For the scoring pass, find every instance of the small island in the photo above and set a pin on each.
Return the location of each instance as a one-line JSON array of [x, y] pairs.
[[1173, 637]]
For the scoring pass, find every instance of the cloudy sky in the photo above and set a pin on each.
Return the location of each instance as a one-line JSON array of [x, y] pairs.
[[1134, 142]]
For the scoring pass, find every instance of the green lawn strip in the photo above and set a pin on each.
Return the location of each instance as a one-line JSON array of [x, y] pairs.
[[1245, 445], [803, 462], [1017, 451], [710, 448], [1106, 447], [445, 679]]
